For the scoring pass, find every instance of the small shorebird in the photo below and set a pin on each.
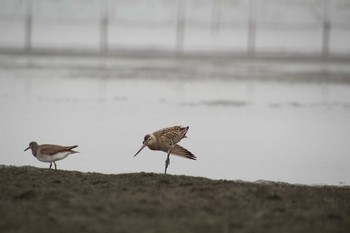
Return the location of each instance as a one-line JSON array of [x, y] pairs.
[[50, 153], [166, 140]]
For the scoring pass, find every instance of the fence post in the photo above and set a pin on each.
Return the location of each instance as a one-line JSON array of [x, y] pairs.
[[215, 16], [103, 26], [326, 28], [251, 28], [28, 26], [180, 26]]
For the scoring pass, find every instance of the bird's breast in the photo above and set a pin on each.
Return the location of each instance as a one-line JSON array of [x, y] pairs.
[[159, 147], [153, 147], [54, 157]]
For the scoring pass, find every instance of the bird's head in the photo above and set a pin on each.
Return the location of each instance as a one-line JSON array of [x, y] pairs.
[[33, 146], [149, 139]]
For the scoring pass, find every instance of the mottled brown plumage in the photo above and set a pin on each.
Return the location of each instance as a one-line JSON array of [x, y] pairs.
[[166, 140]]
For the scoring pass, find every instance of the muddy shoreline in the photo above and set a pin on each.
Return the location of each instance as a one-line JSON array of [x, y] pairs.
[[43, 200]]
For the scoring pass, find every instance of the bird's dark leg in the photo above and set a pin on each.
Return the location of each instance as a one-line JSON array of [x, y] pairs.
[[167, 161], [50, 165], [55, 165]]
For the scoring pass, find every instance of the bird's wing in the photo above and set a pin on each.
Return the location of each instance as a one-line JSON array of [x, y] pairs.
[[180, 151], [171, 135], [53, 149]]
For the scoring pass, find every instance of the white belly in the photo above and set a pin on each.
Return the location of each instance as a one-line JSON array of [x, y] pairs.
[[52, 158]]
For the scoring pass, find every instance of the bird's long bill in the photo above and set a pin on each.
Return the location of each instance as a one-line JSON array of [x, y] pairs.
[[27, 148], [143, 146]]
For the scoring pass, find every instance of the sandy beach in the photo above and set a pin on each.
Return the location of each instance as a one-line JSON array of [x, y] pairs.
[[43, 200]]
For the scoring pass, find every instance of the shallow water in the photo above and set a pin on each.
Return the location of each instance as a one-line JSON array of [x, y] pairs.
[[249, 129]]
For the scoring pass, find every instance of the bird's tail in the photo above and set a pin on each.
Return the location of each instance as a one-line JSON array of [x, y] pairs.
[[71, 149], [180, 151]]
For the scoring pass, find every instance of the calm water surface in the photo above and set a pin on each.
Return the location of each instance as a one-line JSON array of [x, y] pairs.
[[296, 132]]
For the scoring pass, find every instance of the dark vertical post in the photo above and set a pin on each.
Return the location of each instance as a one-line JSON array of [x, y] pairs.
[[103, 26], [216, 16], [28, 26], [251, 28], [180, 26], [326, 28]]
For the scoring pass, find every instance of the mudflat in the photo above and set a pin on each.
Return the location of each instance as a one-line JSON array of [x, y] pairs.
[[42, 200]]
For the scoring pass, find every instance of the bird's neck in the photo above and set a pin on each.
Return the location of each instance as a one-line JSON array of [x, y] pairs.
[[152, 146], [34, 150]]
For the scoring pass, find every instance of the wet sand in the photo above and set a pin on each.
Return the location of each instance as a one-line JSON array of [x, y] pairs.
[[43, 200]]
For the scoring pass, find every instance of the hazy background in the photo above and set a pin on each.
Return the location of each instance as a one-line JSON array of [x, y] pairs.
[[263, 85]]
